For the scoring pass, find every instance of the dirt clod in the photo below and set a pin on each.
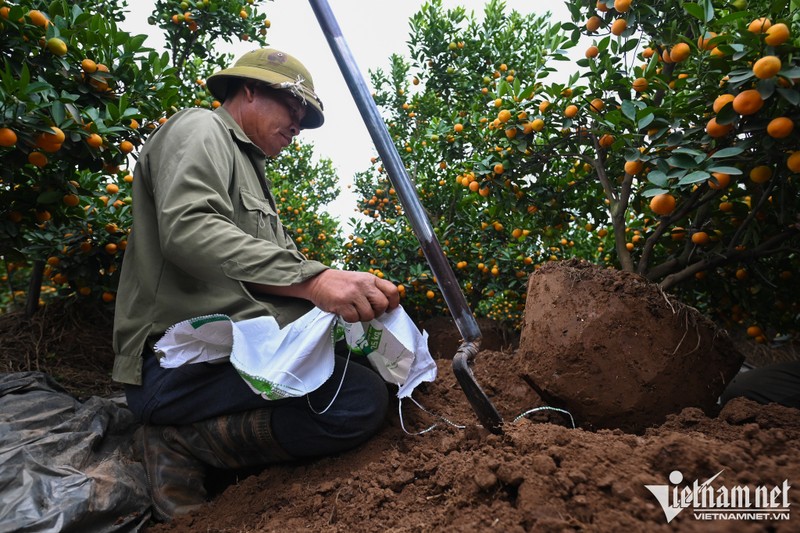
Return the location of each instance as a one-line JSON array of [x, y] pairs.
[[614, 350]]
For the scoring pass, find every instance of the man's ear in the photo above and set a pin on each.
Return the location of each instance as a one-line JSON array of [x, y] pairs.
[[249, 91]]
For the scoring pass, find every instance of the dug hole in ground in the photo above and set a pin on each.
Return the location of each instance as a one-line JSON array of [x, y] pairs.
[[639, 372]]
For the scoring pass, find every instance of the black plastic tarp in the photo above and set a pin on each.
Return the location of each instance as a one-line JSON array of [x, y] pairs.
[[66, 465]]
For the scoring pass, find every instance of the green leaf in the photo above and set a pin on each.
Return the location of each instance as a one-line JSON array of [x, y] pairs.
[[76, 13], [112, 112], [793, 97], [694, 177], [727, 115], [689, 151], [58, 112], [74, 113], [732, 17], [36, 87], [629, 45], [49, 197], [793, 72], [682, 161], [632, 154], [739, 51], [67, 97], [130, 112], [56, 8], [123, 102], [708, 7], [629, 110], [674, 139], [676, 174], [741, 77], [93, 113], [727, 152], [656, 177], [766, 88], [526, 94], [733, 171], [649, 193], [136, 42], [695, 10], [24, 77], [646, 121], [502, 88]]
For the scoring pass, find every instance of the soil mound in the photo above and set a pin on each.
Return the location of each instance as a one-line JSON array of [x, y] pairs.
[[536, 476], [616, 351], [539, 474]]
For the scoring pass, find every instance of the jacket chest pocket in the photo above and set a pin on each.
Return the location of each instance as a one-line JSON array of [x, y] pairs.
[[257, 217]]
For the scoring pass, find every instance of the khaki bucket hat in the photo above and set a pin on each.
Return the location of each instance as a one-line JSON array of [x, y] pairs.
[[278, 70]]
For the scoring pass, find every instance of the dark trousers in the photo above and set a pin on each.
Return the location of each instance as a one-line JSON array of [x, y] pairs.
[[779, 383], [200, 391]]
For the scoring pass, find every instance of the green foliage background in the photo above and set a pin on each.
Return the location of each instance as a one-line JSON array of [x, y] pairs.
[[513, 167], [560, 193], [72, 248]]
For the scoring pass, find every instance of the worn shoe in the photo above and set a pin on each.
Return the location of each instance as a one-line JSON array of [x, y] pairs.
[[176, 457], [174, 476]]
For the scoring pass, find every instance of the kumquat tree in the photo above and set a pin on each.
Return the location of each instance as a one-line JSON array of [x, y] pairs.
[[75, 101], [670, 151], [668, 148], [303, 187], [692, 140], [468, 82], [78, 97], [194, 30]]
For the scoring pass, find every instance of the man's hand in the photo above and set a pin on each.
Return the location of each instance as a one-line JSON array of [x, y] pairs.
[[355, 296]]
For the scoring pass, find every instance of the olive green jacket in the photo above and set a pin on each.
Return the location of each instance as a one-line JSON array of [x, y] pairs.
[[204, 224]]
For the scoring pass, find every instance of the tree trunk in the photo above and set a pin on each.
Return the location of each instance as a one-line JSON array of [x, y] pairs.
[[34, 288]]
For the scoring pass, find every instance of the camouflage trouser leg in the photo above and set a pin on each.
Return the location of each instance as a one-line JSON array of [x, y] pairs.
[[175, 457]]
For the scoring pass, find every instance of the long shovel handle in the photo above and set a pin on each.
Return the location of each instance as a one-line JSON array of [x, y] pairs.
[[445, 278]]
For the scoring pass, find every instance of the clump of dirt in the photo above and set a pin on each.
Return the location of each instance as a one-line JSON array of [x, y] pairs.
[[538, 474], [618, 352]]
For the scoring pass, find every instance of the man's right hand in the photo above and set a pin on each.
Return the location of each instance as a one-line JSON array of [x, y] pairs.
[[355, 296]]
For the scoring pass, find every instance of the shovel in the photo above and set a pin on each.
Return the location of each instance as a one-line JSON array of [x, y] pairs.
[[445, 278]]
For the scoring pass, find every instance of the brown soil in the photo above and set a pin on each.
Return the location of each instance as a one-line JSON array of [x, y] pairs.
[[614, 349], [540, 473], [69, 341]]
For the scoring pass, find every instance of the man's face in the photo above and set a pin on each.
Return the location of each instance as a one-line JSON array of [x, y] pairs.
[[272, 118]]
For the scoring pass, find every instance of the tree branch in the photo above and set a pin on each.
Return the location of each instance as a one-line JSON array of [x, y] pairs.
[[618, 210], [769, 247], [666, 222]]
